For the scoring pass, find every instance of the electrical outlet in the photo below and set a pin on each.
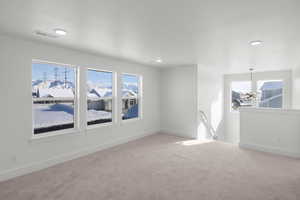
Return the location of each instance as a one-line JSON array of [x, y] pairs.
[[14, 158]]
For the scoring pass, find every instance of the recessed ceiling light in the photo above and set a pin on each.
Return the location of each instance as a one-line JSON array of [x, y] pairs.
[[59, 31], [45, 34], [255, 42], [159, 60]]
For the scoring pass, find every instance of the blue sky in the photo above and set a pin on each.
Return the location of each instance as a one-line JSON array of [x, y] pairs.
[[39, 70], [105, 78], [126, 78], [102, 78]]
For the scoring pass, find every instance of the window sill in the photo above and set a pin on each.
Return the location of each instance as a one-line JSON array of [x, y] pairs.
[[95, 126], [53, 134], [234, 111], [130, 120]]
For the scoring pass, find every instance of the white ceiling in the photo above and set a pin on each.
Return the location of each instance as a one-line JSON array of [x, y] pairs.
[[212, 33]]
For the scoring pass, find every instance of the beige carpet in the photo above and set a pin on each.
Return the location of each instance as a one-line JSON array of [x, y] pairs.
[[166, 168]]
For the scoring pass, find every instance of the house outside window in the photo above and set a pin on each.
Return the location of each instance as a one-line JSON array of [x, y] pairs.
[[99, 97], [240, 94], [131, 96], [270, 93]]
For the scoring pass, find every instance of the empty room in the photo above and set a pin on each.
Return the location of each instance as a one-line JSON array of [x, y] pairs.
[[149, 100]]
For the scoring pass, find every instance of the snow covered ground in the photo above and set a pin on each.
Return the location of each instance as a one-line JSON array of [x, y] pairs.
[[47, 115], [93, 115]]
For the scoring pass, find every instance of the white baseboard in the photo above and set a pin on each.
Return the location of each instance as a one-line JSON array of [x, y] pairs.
[[270, 150], [178, 133], [12, 173]]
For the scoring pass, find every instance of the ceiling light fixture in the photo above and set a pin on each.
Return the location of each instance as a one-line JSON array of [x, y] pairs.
[[59, 31], [159, 60], [45, 34], [255, 42], [251, 96]]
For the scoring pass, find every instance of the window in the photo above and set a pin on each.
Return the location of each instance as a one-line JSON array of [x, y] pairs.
[[241, 94], [130, 96], [99, 97], [270, 93], [53, 94]]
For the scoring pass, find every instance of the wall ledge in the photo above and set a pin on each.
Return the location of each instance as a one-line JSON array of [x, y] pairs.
[[268, 149], [271, 110]]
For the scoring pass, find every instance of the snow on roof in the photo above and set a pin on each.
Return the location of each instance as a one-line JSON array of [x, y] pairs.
[[100, 92], [52, 84], [128, 93], [274, 85], [55, 92], [92, 95]]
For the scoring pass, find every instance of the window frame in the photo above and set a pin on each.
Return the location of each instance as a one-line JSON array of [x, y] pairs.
[[75, 129], [254, 83], [139, 98], [113, 98]]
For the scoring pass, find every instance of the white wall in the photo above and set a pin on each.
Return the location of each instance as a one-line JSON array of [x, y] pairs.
[[296, 88], [271, 130], [232, 123], [179, 101], [211, 102], [17, 150]]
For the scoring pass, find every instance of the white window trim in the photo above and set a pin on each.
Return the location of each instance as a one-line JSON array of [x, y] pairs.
[[113, 98], [76, 104], [139, 98], [254, 88], [56, 133]]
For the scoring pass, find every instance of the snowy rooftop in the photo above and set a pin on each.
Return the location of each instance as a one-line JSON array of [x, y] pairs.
[[100, 92], [128, 93], [55, 92], [52, 88]]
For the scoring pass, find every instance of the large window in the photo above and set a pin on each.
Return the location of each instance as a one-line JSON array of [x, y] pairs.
[[241, 95], [130, 96], [99, 97], [53, 94], [270, 93]]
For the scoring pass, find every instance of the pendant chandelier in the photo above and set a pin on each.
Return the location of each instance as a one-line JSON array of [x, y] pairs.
[[251, 96]]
